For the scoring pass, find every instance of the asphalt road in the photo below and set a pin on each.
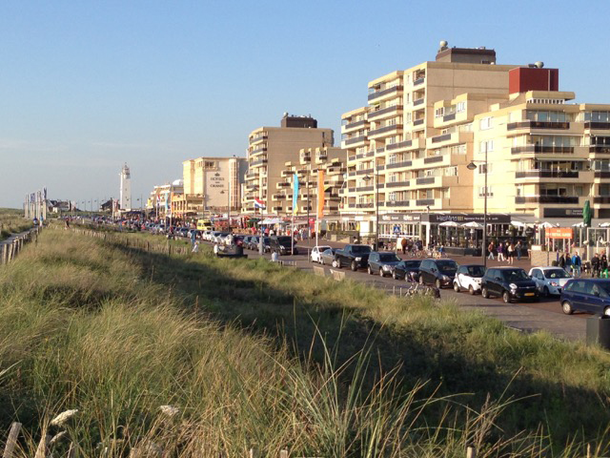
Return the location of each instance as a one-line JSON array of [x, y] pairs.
[[545, 315]]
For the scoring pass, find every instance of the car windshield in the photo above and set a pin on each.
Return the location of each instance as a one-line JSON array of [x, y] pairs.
[[284, 239], [323, 248], [388, 257], [412, 264], [605, 285], [556, 273], [476, 271], [330, 251], [447, 266], [361, 249], [515, 275]]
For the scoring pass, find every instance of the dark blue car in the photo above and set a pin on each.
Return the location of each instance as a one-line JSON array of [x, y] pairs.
[[588, 295]]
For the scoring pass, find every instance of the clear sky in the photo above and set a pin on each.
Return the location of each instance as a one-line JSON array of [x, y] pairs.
[[86, 86]]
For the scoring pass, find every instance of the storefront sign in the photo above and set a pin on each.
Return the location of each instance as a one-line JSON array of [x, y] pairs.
[[467, 218], [559, 232], [562, 212], [409, 217]]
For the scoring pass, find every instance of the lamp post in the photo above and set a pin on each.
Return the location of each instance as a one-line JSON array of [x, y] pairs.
[[228, 209], [367, 179], [473, 166]]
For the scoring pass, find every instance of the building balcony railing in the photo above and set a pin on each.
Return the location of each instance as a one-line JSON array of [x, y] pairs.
[[351, 158], [397, 203], [382, 130], [547, 174], [367, 205], [546, 200], [600, 149], [384, 111], [538, 125], [449, 117], [441, 138], [601, 200], [597, 125], [423, 202], [261, 149], [367, 154], [351, 141], [542, 149], [397, 184], [283, 184], [419, 101], [397, 165], [257, 163], [418, 122], [425, 180], [433, 159], [378, 94], [257, 139], [355, 124], [365, 188], [419, 81], [404, 144], [364, 171], [602, 174]]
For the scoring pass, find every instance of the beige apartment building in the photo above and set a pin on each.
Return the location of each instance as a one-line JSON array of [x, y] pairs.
[[332, 162], [212, 185], [410, 147], [269, 149]]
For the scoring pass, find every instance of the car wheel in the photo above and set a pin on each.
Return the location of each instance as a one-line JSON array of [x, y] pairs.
[[546, 292], [438, 284], [607, 311], [354, 266], [485, 293], [336, 264], [421, 280], [566, 307], [471, 290], [369, 270], [381, 273], [456, 287], [506, 297], [322, 261], [394, 275]]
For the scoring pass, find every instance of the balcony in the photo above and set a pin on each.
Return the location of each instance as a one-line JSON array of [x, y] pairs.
[[449, 117], [546, 200], [278, 197], [352, 141], [597, 125], [418, 122], [365, 189], [602, 174], [542, 149], [351, 158], [419, 101], [384, 111], [397, 165], [425, 180], [355, 125], [257, 163], [538, 125], [283, 184], [259, 150], [257, 139], [433, 159], [367, 154], [390, 91], [599, 149], [397, 203], [364, 171], [601, 200], [398, 184], [404, 144], [424, 202], [547, 174], [368, 205], [419, 81], [383, 130], [441, 138]]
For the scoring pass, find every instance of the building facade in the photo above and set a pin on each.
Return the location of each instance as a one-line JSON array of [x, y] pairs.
[[269, 149], [125, 191]]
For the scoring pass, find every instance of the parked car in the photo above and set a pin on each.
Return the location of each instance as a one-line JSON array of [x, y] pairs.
[[283, 244], [509, 283], [437, 272], [549, 280], [469, 277], [354, 256], [316, 253], [589, 295], [328, 256], [382, 263], [407, 270]]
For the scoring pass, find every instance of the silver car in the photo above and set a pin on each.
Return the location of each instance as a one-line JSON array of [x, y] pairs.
[[549, 280]]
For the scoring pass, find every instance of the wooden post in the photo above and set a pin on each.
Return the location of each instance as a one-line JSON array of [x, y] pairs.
[[471, 452], [253, 453], [284, 453], [11, 442]]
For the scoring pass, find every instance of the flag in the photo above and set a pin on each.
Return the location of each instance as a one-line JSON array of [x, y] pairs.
[[259, 203], [295, 194], [320, 193], [45, 193]]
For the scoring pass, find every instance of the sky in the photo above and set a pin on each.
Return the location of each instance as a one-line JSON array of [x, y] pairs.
[[87, 86]]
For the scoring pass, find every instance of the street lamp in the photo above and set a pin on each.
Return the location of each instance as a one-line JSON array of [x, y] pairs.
[[473, 166], [228, 209], [367, 178]]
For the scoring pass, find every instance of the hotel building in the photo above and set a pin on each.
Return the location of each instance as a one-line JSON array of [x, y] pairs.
[[270, 148]]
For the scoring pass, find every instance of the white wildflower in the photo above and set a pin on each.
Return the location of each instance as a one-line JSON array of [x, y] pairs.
[[170, 411], [63, 417]]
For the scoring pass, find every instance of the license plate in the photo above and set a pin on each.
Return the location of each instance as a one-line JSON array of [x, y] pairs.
[[529, 294]]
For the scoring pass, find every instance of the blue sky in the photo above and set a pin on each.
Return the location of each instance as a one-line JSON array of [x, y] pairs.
[[87, 86]]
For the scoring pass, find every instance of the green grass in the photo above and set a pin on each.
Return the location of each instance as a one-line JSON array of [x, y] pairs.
[[258, 356], [12, 222]]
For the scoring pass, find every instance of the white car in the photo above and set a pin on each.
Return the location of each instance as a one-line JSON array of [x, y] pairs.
[[317, 251], [549, 280], [468, 277]]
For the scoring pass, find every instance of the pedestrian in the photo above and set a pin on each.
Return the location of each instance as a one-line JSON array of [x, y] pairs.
[[491, 248], [500, 252], [196, 247], [603, 265], [576, 264], [193, 237], [568, 267], [595, 265], [403, 244], [511, 253], [561, 262], [518, 248]]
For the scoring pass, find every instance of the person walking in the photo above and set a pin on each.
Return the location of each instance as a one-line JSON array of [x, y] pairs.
[[500, 251], [491, 249], [511, 253], [561, 262], [595, 265], [403, 244], [603, 267], [518, 248], [576, 264]]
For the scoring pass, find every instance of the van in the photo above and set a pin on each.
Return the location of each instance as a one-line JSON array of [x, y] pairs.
[[204, 225]]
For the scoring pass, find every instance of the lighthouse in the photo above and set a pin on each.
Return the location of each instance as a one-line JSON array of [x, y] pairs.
[[125, 194]]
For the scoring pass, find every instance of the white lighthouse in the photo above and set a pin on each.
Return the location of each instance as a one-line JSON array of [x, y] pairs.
[[125, 194]]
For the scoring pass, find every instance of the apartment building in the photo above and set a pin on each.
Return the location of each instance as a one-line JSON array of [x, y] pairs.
[[331, 161], [269, 149], [212, 185]]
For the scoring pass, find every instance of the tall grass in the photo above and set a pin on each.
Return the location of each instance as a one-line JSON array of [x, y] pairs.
[[12, 222], [88, 326]]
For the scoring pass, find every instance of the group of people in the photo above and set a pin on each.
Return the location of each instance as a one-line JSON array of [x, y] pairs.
[[599, 266], [573, 263], [506, 251]]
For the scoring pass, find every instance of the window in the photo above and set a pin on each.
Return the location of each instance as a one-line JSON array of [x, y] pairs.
[[450, 171], [485, 123], [209, 164], [487, 145], [482, 191], [408, 117], [392, 197], [460, 107], [487, 166], [392, 159], [439, 112]]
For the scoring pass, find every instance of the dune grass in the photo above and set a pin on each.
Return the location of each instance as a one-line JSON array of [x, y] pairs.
[[12, 222], [258, 356]]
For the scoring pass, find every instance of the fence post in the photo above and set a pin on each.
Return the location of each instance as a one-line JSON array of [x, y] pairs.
[[284, 453], [471, 452], [11, 441], [253, 453]]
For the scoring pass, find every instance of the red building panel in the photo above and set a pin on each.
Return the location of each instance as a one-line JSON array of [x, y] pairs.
[[525, 79]]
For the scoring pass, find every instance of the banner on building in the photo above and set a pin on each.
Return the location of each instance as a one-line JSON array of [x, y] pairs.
[[295, 194], [559, 232], [320, 193]]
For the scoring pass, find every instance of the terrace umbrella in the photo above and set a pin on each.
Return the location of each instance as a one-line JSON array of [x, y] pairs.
[[448, 224], [587, 214], [473, 225]]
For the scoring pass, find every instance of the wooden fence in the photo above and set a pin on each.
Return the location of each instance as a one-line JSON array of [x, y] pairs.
[[10, 248]]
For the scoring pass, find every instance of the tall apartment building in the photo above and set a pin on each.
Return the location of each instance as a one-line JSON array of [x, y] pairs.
[[331, 161], [212, 185], [269, 149], [398, 148]]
